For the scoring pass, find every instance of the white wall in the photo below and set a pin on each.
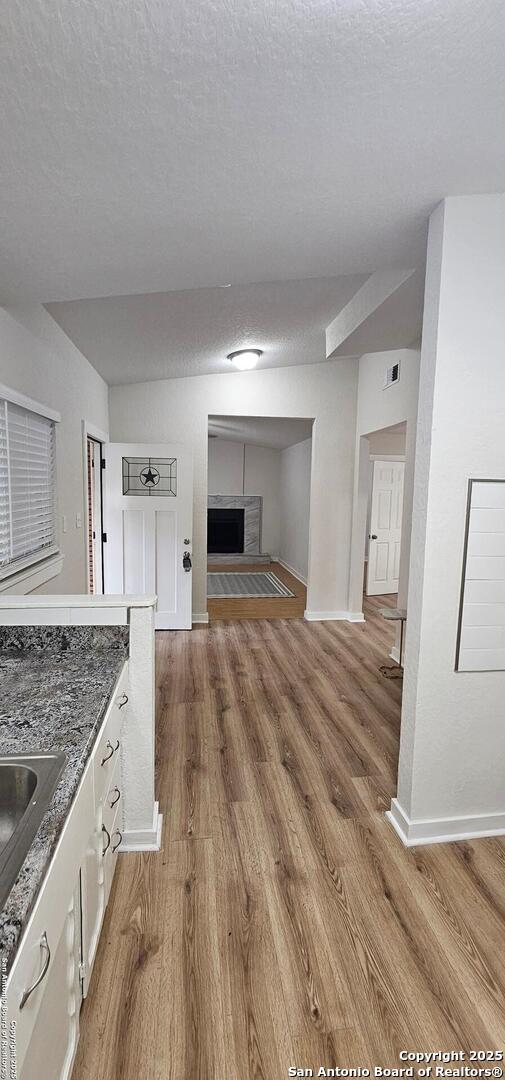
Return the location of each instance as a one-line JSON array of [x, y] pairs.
[[236, 468], [376, 409], [178, 410], [37, 359], [387, 442], [226, 467], [453, 730], [262, 477], [295, 507]]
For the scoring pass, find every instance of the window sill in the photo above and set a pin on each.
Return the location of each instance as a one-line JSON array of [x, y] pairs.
[[32, 577]]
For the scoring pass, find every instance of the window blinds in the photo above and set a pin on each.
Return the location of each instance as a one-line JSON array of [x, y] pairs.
[[27, 486]]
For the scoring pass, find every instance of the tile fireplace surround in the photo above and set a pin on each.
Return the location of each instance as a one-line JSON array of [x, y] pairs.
[[251, 504]]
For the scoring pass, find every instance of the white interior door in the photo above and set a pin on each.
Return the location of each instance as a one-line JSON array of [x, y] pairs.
[[385, 528], [148, 517]]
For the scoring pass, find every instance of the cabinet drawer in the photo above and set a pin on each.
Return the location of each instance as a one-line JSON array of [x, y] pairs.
[[108, 747], [110, 857], [48, 918], [113, 801]]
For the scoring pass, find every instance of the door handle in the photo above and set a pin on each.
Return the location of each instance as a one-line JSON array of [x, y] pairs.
[[372, 536], [107, 833], [186, 562], [116, 845], [44, 948], [112, 750]]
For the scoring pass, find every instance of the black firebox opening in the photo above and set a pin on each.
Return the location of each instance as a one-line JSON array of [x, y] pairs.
[[225, 532]]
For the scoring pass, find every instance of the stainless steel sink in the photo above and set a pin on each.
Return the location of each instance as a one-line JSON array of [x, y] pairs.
[[27, 784]]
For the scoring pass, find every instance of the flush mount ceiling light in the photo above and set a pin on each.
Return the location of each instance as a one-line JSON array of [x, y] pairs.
[[245, 359]]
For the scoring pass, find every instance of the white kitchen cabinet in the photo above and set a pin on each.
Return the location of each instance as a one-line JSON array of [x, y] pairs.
[[53, 1041], [93, 897], [58, 947], [104, 839]]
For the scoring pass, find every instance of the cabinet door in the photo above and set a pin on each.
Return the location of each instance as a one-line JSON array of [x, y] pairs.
[[93, 896], [54, 1038]]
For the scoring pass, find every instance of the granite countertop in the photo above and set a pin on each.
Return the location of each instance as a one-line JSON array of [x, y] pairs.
[[51, 699]]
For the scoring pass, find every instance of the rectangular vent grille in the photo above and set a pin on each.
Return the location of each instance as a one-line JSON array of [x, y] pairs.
[[392, 375]]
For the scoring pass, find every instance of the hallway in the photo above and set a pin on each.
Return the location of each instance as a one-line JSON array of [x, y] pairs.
[[284, 924]]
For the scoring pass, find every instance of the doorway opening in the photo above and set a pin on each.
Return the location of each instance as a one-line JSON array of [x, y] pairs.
[[384, 519], [94, 534], [258, 511]]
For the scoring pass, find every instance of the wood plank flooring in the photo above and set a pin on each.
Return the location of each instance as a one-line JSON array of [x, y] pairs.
[[284, 923], [260, 607]]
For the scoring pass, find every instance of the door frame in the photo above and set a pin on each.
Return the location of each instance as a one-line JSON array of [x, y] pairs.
[[359, 513], [373, 458], [90, 430]]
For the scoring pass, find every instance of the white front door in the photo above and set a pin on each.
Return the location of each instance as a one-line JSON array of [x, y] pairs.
[[385, 527], [148, 518]]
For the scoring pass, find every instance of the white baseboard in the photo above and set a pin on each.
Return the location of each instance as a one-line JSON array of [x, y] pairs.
[[200, 617], [291, 569], [144, 839], [443, 830], [334, 616]]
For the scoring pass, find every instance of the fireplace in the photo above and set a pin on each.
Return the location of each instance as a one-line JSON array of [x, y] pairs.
[[228, 506], [225, 531]]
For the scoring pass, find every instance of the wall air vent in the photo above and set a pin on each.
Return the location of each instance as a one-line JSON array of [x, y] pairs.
[[392, 375]]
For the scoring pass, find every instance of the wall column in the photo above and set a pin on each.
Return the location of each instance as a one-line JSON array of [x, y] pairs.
[[450, 782]]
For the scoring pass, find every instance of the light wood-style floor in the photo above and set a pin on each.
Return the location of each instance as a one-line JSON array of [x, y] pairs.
[[275, 607], [284, 923]]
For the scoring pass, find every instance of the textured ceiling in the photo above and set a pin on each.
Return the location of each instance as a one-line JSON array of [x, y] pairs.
[[276, 432], [166, 335], [150, 145]]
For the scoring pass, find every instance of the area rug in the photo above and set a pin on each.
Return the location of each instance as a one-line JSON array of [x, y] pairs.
[[245, 585]]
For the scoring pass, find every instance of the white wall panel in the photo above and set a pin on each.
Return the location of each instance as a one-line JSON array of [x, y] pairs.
[[482, 660], [486, 543], [485, 568], [483, 637], [488, 494], [487, 520], [484, 615], [484, 592], [481, 644]]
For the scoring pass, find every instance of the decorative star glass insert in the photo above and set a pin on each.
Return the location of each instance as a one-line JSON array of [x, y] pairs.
[[149, 476]]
